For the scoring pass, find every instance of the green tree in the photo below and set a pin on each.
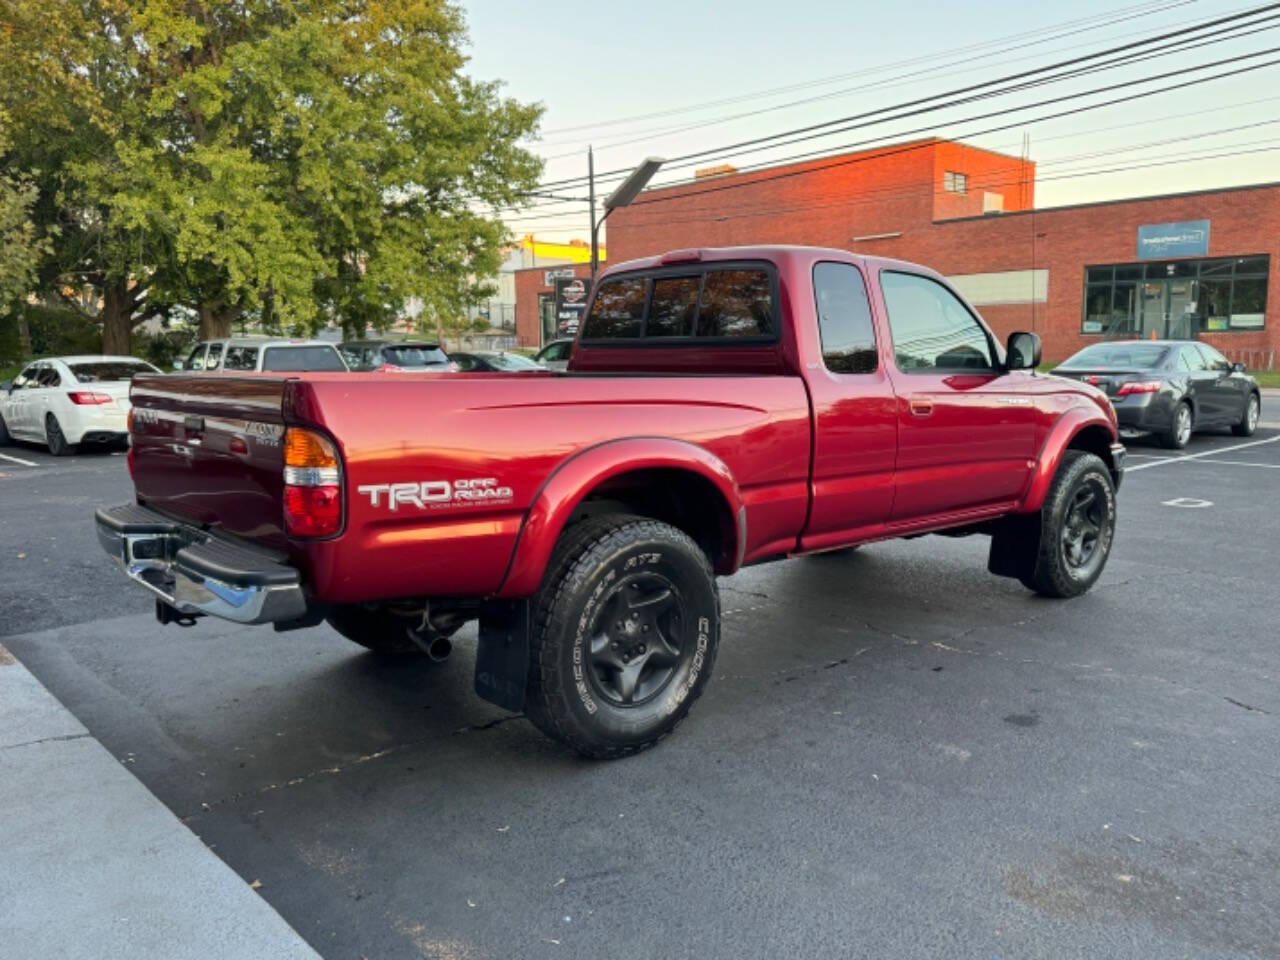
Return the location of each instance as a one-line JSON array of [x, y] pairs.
[[20, 245], [311, 162]]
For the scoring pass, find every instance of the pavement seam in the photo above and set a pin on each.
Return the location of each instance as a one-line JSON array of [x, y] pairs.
[[32, 743]]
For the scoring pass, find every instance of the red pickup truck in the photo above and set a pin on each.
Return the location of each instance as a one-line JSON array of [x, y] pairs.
[[721, 408]]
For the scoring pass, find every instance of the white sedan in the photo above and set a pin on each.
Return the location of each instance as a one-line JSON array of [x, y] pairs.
[[67, 401]]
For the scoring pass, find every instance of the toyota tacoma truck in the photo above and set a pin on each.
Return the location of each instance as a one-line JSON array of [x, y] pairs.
[[722, 407]]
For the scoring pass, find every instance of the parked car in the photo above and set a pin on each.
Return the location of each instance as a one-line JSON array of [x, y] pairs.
[[555, 355], [1169, 388], [247, 354], [493, 363], [64, 402], [394, 356], [736, 406]]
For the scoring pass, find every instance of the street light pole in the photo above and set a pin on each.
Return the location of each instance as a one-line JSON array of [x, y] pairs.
[[622, 196]]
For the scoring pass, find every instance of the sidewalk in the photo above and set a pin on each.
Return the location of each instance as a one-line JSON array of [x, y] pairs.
[[94, 866]]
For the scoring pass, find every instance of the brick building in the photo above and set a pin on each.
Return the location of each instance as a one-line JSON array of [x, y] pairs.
[[1190, 264]]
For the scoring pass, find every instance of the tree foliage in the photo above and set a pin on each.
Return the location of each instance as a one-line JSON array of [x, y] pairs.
[[20, 244], [311, 161]]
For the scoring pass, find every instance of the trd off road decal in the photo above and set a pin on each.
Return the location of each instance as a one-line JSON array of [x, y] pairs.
[[436, 494]]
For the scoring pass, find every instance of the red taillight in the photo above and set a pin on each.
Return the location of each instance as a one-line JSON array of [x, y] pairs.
[[313, 511], [88, 398], [1139, 386], [313, 484]]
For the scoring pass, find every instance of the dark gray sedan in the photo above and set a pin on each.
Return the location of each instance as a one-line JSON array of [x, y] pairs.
[[1169, 388]]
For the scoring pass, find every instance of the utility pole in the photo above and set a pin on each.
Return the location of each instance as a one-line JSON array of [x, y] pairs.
[[595, 227]]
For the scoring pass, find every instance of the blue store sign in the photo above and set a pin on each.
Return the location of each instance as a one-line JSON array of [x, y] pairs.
[[1189, 238]]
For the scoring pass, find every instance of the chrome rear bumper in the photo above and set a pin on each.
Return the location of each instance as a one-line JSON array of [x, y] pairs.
[[197, 573]]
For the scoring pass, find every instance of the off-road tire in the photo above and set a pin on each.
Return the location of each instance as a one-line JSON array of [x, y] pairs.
[[1053, 574], [375, 629], [1245, 428], [593, 564], [1174, 439], [55, 439]]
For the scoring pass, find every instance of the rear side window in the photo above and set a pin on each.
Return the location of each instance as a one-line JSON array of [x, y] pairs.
[[49, 377], [302, 359], [932, 329], [617, 311], [241, 358], [844, 319], [417, 356], [736, 303], [214, 360], [674, 306]]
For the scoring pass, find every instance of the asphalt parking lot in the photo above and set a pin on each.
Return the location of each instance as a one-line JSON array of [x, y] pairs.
[[899, 756]]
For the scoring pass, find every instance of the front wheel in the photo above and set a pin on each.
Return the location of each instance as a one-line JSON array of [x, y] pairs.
[[1248, 418], [625, 631], [1077, 527], [55, 438]]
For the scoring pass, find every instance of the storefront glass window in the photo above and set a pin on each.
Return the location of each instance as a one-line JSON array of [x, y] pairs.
[[1176, 298]]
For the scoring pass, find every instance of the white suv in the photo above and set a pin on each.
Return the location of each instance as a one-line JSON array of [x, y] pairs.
[[249, 354]]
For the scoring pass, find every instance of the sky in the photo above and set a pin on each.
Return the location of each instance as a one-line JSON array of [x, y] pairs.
[[668, 78]]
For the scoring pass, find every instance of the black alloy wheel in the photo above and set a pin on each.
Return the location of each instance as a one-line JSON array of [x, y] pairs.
[[636, 638], [1077, 525], [1083, 526]]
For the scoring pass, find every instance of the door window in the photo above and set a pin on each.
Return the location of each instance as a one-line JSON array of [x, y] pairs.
[[196, 360], [932, 330], [844, 319], [241, 358], [27, 378], [1213, 359]]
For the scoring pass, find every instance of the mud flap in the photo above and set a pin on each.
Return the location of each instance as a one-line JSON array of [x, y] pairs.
[[1015, 546], [502, 656]]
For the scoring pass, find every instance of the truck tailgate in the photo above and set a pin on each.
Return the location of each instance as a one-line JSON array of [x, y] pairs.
[[208, 450]]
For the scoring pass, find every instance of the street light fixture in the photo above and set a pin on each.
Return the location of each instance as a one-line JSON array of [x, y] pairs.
[[622, 196]]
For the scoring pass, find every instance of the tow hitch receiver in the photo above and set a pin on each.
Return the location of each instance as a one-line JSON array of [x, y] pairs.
[[167, 614]]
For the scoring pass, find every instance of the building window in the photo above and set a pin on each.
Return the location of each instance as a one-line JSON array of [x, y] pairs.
[[953, 182], [1176, 299]]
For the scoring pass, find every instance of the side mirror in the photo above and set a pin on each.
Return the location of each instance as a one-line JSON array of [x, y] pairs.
[[1023, 351], [1237, 368]]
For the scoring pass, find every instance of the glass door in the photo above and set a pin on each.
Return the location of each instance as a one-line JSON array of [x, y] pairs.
[[1155, 305], [547, 316], [1181, 309]]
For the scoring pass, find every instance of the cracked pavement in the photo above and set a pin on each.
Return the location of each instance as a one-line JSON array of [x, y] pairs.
[[898, 756]]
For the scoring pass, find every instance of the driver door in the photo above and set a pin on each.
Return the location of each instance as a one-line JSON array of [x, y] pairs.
[[966, 426]]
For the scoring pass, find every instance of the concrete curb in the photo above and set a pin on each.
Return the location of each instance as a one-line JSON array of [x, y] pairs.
[[95, 866]]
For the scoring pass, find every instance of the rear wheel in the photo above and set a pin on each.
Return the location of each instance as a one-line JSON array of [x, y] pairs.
[[55, 438], [1248, 417], [625, 630], [1077, 526], [1179, 432]]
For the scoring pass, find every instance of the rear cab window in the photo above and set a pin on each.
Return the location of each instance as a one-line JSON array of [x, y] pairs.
[[727, 302], [302, 359], [844, 318]]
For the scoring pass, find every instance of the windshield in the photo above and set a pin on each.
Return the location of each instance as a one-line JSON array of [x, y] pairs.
[[302, 359], [102, 371], [415, 356], [1118, 356], [510, 361]]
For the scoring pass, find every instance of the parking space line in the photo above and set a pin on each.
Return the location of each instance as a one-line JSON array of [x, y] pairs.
[[1201, 454], [1246, 463], [25, 463]]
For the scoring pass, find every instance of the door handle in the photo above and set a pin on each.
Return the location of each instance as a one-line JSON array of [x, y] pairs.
[[919, 407]]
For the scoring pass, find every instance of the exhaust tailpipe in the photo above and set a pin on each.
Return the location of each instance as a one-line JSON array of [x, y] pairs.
[[439, 649]]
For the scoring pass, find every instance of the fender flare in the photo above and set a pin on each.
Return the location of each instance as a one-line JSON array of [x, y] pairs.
[[572, 480], [1068, 426]]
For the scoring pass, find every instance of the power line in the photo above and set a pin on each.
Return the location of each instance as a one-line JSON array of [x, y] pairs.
[[959, 92], [906, 148], [641, 136], [1144, 9]]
